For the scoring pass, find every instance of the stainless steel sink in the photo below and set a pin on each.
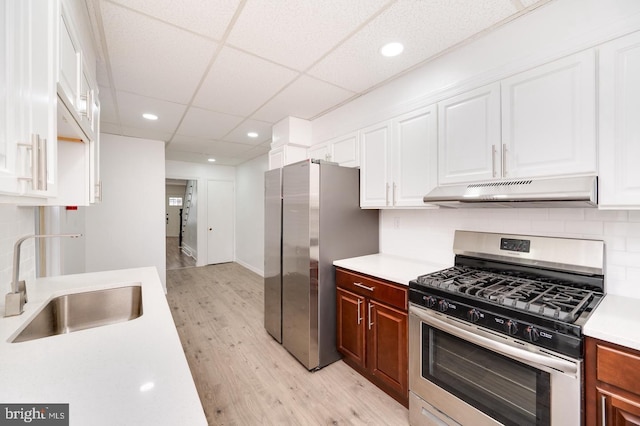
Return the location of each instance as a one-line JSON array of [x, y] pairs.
[[79, 311]]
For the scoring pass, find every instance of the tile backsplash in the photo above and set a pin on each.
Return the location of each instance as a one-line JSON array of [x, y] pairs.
[[428, 235], [16, 222]]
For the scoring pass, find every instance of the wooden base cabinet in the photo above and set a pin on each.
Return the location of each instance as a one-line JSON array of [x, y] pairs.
[[372, 330], [612, 384]]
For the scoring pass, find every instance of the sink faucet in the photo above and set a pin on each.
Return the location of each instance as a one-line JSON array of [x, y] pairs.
[[15, 300]]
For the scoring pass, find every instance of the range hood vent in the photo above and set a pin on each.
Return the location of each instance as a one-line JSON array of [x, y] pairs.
[[560, 192]]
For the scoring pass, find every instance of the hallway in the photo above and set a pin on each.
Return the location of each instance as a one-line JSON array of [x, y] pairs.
[[176, 259]]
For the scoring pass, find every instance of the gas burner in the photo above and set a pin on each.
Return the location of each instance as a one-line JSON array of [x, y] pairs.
[[538, 296]]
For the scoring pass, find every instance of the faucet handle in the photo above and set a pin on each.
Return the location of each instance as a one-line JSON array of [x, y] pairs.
[[14, 302]]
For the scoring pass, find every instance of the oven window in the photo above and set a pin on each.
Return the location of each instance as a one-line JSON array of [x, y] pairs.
[[507, 390]]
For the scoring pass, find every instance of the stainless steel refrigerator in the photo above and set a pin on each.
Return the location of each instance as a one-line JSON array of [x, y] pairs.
[[312, 217]]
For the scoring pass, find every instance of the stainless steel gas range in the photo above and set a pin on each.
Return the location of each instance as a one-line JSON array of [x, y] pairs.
[[497, 338]]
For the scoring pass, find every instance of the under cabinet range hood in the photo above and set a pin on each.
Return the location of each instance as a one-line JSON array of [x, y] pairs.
[[559, 192]]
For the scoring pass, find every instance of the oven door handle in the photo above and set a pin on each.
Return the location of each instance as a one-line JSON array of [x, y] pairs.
[[530, 358]]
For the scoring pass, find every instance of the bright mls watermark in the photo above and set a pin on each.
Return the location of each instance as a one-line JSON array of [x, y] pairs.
[[34, 414]]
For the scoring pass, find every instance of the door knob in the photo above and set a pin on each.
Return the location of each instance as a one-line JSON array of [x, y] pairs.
[[210, 229]]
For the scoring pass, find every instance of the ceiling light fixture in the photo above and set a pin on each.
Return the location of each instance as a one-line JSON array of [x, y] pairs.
[[211, 160], [252, 134], [391, 49], [150, 116]]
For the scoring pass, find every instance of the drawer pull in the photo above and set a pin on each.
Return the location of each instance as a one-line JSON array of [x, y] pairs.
[[363, 286]]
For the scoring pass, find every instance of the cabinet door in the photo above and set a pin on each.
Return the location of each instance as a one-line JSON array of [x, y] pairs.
[[549, 119], [375, 166], [28, 131], [415, 157], [469, 136], [351, 326], [619, 103], [344, 150], [320, 152], [69, 73], [617, 411], [387, 346]]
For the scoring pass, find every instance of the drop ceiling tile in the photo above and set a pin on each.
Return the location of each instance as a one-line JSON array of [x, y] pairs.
[[102, 75], [424, 27], [297, 33], [204, 146], [151, 58], [137, 132], [131, 108], [239, 134], [239, 83], [306, 98], [111, 128], [207, 124], [206, 17]]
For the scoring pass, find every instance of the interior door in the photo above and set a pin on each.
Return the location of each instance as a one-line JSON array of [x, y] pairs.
[[220, 229], [173, 214]]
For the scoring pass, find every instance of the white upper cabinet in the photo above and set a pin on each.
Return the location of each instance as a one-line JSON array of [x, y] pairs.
[[549, 119], [398, 160], [343, 150], [415, 154], [619, 111], [536, 123], [70, 60], [28, 151], [375, 165], [469, 136]]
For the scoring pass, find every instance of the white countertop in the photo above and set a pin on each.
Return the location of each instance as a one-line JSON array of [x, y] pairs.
[[616, 320], [100, 371], [391, 268]]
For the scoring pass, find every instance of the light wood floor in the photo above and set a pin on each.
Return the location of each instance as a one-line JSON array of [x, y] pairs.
[[244, 377], [175, 257]]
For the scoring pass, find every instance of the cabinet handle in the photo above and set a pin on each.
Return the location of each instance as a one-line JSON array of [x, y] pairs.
[[88, 105], [394, 194], [504, 160], [359, 316], [98, 192], [370, 317], [363, 286], [603, 409], [42, 163], [386, 195], [493, 160]]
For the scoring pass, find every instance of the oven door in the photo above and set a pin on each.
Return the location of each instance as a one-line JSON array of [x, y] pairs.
[[462, 374]]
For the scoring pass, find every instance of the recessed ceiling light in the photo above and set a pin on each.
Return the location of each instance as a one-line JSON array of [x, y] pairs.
[[252, 134], [391, 49], [211, 160], [150, 116]]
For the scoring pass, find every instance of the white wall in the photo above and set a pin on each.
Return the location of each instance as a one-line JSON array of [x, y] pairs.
[[16, 222], [201, 173], [250, 213], [127, 228]]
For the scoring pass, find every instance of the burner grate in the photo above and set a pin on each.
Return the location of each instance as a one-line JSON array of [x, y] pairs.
[[543, 297]]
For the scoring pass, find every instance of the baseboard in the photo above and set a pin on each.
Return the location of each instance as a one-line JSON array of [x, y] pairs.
[[250, 267]]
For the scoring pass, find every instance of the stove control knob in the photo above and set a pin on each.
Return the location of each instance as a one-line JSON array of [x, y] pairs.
[[473, 315], [429, 301], [443, 305], [511, 327], [531, 333]]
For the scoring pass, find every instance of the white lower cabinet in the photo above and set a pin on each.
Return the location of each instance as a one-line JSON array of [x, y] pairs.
[[399, 160], [619, 122]]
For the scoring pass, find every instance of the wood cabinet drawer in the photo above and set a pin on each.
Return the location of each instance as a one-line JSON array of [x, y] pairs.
[[391, 294], [618, 368]]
